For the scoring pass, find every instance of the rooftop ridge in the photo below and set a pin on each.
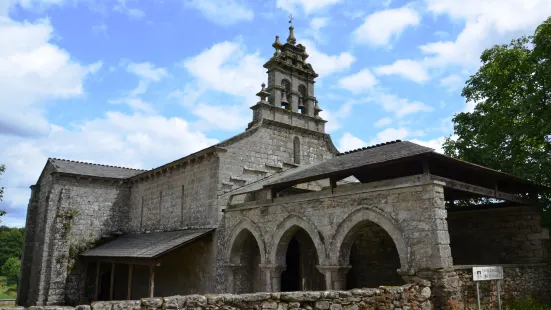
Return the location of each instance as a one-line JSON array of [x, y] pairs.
[[94, 164], [369, 147]]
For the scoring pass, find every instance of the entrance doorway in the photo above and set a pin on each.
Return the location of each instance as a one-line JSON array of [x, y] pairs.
[[301, 259]]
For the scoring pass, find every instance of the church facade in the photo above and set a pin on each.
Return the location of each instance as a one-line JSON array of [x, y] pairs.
[[275, 208]]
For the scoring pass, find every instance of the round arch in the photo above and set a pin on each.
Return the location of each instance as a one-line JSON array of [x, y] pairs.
[[284, 232], [344, 235], [237, 236]]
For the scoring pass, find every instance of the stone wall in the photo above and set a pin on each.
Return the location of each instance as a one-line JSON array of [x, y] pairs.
[[520, 281], [88, 211], [72, 215], [504, 235], [413, 214], [269, 149], [261, 151], [410, 296], [183, 197]]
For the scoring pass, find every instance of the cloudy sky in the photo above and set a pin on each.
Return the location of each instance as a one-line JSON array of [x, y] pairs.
[[138, 83]]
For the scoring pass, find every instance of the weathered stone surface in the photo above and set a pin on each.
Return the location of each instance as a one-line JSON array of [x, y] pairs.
[[386, 298], [151, 303]]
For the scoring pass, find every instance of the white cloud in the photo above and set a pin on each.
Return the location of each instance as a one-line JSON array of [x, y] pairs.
[[116, 139], [7, 5], [227, 68], [316, 24], [401, 106], [147, 73], [486, 23], [222, 12], [308, 6], [435, 144], [391, 134], [33, 71], [385, 121], [147, 70], [358, 82], [123, 8], [325, 64], [334, 118], [379, 28], [452, 82], [319, 22], [350, 142], [406, 68], [221, 117]]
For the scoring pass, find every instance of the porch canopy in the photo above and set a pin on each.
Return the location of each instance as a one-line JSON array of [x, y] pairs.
[[140, 249], [461, 179]]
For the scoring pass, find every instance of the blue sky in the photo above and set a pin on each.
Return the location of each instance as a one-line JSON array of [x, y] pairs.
[[139, 83]]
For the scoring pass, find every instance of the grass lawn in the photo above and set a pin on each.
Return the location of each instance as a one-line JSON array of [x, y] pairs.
[[7, 291], [5, 296]]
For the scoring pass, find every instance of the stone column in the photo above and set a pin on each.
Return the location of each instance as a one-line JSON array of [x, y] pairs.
[[310, 105], [294, 102], [230, 271], [273, 276], [276, 97], [335, 276]]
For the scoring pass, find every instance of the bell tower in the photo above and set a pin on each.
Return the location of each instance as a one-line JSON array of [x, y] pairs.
[[290, 89]]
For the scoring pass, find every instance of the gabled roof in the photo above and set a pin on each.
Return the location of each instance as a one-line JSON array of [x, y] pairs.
[[92, 170], [348, 161], [401, 158], [147, 245]]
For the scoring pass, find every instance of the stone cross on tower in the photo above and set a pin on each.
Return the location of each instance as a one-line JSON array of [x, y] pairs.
[[291, 78]]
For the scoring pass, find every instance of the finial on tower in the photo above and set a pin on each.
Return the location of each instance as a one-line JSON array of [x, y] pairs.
[[263, 94], [291, 39]]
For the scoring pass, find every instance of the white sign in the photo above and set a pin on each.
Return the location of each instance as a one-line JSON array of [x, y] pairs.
[[487, 273]]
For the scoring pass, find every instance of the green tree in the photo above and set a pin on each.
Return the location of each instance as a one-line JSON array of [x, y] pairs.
[[2, 212], [11, 240], [510, 127], [10, 269]]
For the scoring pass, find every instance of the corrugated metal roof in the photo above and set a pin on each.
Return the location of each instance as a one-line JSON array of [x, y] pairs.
[[95, 170], [147, 245], [359, 158]]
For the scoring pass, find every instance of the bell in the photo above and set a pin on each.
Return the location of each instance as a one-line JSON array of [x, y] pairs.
[[301, 103], [284, 99]]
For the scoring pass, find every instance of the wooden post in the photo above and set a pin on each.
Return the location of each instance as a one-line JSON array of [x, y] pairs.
[[333, 184], [97, 280], [129, 292], [86, 283], [151, 280], [112, 284], [426, 169]]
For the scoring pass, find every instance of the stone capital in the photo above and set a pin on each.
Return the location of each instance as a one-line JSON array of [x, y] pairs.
[[272, 267], [333, 268]]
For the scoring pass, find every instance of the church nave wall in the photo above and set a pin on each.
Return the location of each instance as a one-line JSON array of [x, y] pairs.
[[183, 197]]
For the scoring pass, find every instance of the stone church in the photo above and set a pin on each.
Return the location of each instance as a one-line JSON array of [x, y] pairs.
[[278, 208]]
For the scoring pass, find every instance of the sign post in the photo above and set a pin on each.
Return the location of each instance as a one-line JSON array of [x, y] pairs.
[[488, 273]]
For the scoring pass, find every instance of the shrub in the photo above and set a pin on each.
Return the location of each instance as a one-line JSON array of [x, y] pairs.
[[527, 304]]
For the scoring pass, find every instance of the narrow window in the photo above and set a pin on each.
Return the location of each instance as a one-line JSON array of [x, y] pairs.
[[296, 150]]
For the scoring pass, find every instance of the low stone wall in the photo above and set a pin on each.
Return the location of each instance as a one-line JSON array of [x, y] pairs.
[[409, 296], [7, 302], [520, 281]]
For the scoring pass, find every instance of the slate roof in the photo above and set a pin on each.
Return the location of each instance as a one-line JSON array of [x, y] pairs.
[[94, 170], [147, 245], [376, 154]]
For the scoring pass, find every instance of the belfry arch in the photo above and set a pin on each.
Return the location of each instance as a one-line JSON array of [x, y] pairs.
[[246, 254], [372, 248]]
